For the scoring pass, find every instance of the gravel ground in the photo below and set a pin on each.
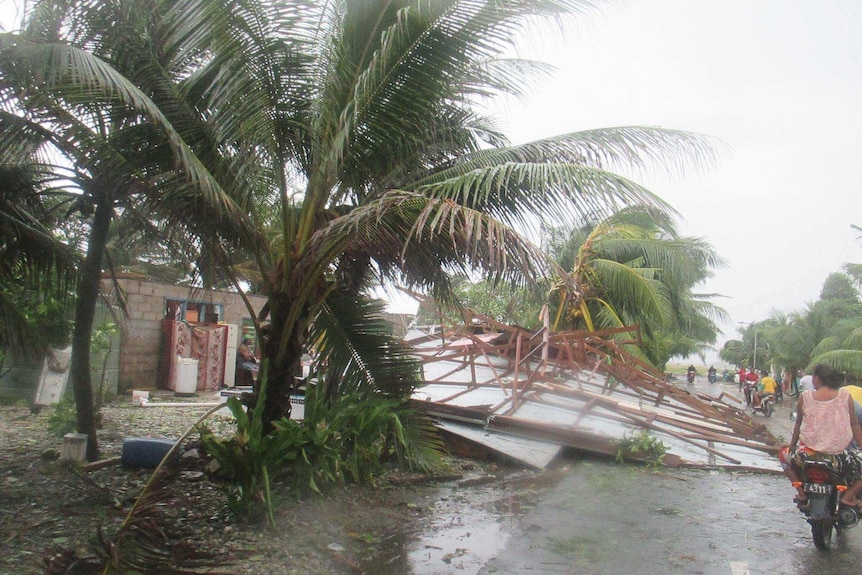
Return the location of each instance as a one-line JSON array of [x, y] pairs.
[[49, 508]]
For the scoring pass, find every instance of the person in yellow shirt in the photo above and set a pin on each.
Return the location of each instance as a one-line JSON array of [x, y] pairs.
[[856, 394], [767, 386]]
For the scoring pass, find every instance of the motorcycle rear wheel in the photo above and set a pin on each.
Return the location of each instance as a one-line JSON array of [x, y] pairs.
[[767, 409], [821, 533]]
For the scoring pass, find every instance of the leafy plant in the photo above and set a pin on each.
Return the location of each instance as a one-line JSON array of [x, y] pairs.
[[63, 419], [101, 345], [354, 436], [641, 446], [251, 458], [350, 439]]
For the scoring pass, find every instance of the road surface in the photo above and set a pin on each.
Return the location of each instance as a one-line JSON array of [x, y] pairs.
[[597, 517]]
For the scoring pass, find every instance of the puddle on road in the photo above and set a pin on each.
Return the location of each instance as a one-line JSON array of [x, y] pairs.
[[462, 531]]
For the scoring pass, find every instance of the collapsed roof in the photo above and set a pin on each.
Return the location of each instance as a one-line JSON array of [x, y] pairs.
[[530, 394]]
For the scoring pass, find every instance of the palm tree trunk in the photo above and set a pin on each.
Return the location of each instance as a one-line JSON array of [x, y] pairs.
[[85, 310], [283, 358]]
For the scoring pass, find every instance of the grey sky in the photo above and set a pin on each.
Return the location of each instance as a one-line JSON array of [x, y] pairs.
[[779, 81]]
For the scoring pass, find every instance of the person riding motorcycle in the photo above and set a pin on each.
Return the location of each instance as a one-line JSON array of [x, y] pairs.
[[710, 374], [690, 373], [750, 385], [767, 386], [825, 425]]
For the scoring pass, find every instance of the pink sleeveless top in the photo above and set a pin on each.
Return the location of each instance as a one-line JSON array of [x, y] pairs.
[[826, 424]]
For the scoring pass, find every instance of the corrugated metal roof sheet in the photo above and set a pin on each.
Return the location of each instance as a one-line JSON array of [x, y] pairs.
[[576, 389]]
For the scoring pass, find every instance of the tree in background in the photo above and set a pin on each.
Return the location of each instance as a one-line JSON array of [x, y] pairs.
[[734, 352], [842, 347], [826, 331], [634, 268], [854, 270], [516, 305], [838, 287], [630, 268]]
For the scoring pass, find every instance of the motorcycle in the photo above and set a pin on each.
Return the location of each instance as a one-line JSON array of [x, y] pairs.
[[750, 387], [823, 485], [711, 377], [766, 406], [690, 376]]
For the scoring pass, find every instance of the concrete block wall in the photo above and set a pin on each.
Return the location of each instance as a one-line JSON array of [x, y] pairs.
[[141, 342]]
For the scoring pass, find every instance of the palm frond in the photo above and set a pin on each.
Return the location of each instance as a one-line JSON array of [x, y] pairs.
[[356, 343], [605, 149], [853, 340], [846, 360], [516, 191]]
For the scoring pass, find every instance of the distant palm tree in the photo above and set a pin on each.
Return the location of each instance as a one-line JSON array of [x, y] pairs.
[[814, 335], [362, 120], [842, 346], [633, 268], [843, 354]]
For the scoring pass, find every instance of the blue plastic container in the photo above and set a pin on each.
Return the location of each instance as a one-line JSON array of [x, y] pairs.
[[145, 452]]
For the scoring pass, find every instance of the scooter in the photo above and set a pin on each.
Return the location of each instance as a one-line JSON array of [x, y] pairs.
[[690, 376], [748, 388], [766, 406], [823, 484], [711, 377]]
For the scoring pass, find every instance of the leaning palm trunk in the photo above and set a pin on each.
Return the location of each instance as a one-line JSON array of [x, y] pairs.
[[85, 309]]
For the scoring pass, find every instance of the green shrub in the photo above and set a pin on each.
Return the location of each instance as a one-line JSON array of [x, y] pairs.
[[351, 439], [642, 446], [63, 418]]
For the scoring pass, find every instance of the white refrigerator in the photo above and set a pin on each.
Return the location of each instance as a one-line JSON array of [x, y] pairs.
[[230, 355]]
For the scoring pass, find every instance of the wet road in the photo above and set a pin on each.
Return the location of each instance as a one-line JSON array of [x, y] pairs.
[[606, 519], [598, 517]]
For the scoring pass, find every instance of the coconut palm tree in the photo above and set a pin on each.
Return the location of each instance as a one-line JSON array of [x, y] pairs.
[[633, 267], [362, 119], [105, 141], [37, 270]]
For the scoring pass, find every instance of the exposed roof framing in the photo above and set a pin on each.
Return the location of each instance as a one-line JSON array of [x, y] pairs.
[[577, 389]]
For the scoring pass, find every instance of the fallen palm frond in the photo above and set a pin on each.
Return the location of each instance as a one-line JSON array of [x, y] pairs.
[[140, 545]]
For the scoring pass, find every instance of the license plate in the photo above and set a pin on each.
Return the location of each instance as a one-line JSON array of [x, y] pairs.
[[821, 488]]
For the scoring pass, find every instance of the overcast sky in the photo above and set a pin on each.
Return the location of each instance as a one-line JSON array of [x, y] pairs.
[[779, 81]]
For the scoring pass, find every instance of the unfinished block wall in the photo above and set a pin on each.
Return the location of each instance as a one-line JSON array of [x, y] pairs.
[[140, 350]]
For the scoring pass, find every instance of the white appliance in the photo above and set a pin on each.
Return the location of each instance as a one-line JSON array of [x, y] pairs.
[[230, 355], [187, 376]]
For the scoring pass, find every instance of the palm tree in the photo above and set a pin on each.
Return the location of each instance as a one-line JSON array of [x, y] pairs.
[[67, 102], [361, 119], [402, 178], [635, 268], [794, 339], [36, 268], [843, 354]]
